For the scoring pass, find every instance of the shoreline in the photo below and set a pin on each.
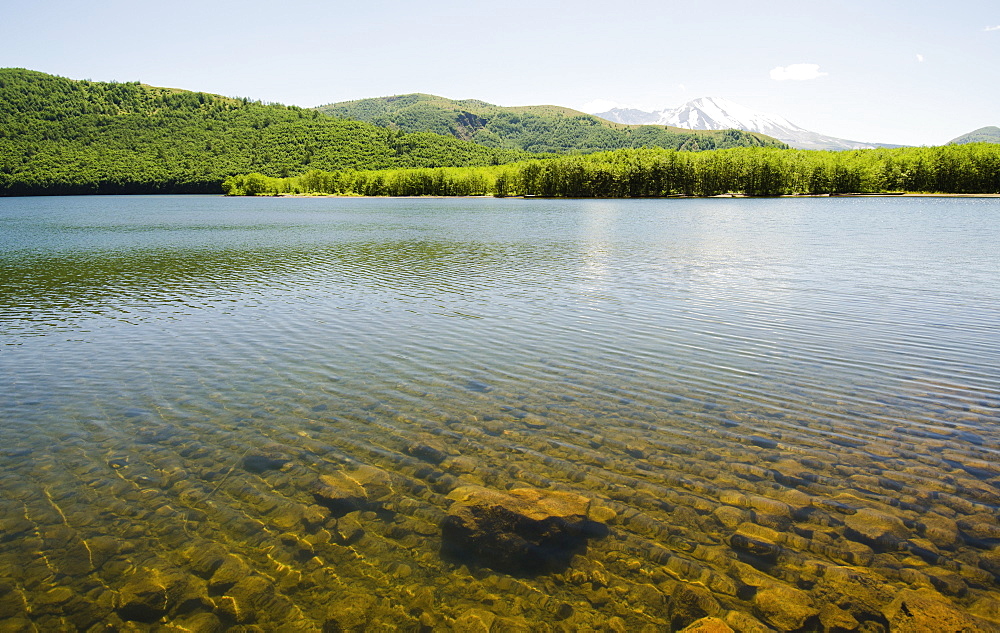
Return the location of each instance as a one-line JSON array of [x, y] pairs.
[[674, 197]]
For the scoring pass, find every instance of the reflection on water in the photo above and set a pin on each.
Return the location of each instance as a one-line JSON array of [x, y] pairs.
[[499, 414]]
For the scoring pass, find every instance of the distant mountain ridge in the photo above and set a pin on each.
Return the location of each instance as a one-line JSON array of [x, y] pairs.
[[537, 129], [715, 113], [988, 134]]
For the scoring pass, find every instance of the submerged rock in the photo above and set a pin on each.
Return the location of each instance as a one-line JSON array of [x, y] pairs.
[[149, 594], [12, 600], [877, 529], [926, 610], [475, 621], [708, 625], [350, 612], [227, 571], [834, 618], [202, 622], [261, 463], [427, 452], [940, 530], [691, 603], [784, 607], [521, 531], [344, 492]]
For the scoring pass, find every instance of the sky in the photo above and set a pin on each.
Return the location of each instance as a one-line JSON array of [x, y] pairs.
[[919, 72]]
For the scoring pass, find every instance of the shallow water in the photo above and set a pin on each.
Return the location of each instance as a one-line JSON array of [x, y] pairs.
[[784, 412]]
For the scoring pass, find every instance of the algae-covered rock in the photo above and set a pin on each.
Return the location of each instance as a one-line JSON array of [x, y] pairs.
[[690, 603], [149, 594], [257, 596], [17, 625], [427, 452], [990, 561], [262, 462], [981, 527], [343, 492], [525, 530], [350, 612], [475, 621], [708, 625], [203, 622], [730, 517], [754, 549], [205, 558], [878, 529], [769, 506], [227, 572], [228, 607], [348, 528], [941, 531], [926, 610], [653, 601], [987, 607], [143, 598], [833, 618], [784, 607], [864, 590], [745, 623], [947, 582], [12, 600]]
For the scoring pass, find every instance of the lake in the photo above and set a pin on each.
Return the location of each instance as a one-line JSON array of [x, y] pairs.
[[499, 414]]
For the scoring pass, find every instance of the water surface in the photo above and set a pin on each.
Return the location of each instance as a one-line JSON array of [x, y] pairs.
[[783, 411]]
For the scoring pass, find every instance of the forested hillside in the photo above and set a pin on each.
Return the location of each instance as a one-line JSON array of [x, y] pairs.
[[988, 134], [63, 136], [537, 129], [647, 173]]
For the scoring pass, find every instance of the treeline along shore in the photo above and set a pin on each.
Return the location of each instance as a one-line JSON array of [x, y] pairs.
[[651, 173]]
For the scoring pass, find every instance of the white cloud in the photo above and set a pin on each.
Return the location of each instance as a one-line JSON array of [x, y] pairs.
[[797, 72], [992, 28], [920, 57]]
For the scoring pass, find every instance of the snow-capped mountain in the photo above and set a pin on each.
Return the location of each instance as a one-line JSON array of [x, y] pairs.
[[631, 116], [714, 113]]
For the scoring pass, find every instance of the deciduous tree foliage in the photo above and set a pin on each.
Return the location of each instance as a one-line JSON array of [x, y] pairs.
[[645, 173], [59, 136]]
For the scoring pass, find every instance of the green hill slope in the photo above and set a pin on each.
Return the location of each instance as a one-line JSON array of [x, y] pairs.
[[531, 128], [63, 136], [988, 134]]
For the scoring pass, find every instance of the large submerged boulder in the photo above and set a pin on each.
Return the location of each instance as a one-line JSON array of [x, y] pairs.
[[881, 531], [524, 531], [785, 607], [926, 610], [346, 491]]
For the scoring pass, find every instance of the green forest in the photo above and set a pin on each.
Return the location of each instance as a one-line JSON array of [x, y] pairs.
[[989, 134], [535, 129], [644, 173], [60, 136]]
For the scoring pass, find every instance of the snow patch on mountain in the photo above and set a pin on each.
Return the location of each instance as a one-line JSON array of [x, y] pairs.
[[714, 113]]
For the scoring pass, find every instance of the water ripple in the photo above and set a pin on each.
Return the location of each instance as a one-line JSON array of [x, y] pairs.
[[761, 399]]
